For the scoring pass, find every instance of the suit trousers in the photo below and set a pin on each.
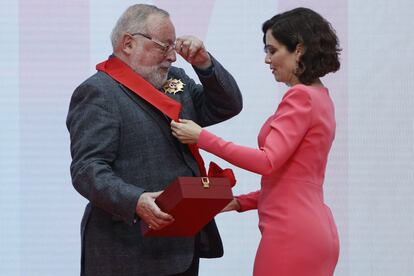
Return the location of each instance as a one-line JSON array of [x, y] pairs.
[[192, 270], [195, 263]]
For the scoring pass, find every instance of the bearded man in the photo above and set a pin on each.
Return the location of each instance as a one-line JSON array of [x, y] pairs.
[[123, 153]]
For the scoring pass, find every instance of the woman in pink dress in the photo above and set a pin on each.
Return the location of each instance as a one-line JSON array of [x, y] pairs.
[[299, 236]]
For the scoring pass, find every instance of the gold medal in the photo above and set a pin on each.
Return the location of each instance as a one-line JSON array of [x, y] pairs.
[[173, 86]]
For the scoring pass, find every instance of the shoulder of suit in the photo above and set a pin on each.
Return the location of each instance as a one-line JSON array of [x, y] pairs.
[[100, 80], [99, 83], [176, 72]]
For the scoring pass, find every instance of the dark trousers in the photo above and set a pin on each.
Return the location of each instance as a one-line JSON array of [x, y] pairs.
[[193, 269]]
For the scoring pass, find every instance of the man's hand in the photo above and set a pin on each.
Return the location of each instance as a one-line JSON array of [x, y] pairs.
[[193, 51], [150, 213]]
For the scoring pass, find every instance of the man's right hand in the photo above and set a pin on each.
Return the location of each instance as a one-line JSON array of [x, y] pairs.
[[193, 51], [150, 213]]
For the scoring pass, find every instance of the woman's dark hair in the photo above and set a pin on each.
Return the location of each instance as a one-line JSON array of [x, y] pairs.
[[321, 46]]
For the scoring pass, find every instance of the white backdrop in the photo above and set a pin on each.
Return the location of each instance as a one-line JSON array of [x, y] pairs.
[[48, 47]]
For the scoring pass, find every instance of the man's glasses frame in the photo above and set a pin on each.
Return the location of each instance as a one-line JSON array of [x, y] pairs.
[[165, 47]]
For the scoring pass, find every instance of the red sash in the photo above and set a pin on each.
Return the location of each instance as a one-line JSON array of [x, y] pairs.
[[124, 74]]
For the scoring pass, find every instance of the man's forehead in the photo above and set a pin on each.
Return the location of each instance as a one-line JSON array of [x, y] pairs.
[[161, 26]]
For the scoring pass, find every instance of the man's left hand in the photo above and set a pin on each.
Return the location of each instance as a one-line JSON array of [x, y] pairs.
[[193, 51]]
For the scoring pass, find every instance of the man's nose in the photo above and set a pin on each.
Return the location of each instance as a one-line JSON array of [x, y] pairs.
[[171, 55]]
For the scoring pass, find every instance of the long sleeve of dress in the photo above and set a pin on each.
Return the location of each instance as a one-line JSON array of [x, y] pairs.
[[289, 125], [248, 201]]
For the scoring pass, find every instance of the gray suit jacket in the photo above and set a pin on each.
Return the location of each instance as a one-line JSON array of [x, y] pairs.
[[121, 147]]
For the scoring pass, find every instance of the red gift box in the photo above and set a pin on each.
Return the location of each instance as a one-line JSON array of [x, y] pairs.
[[193, 202]]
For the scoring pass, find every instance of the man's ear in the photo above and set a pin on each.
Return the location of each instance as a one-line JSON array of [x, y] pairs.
[[127, 43]]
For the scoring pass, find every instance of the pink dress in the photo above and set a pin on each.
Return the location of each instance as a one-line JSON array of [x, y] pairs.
[[299, 236]]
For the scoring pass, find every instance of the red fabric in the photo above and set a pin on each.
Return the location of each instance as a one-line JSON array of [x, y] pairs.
[[124, 74], [197, 156], [214, 170]]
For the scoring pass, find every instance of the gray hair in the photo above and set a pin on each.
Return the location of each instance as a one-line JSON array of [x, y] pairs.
[[134, 19]]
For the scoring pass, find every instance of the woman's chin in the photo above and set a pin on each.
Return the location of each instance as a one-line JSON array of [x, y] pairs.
[[276, 78]]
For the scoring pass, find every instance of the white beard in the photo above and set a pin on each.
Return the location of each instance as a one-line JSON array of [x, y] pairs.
[[154, 75]]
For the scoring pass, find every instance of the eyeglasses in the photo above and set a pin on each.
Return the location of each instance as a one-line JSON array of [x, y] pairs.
[[164, 47]]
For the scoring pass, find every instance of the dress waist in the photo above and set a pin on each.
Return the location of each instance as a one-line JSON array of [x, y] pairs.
[[287, 193], [290, 182]]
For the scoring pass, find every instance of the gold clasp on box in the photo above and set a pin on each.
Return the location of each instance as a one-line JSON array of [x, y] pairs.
[[206, 182]]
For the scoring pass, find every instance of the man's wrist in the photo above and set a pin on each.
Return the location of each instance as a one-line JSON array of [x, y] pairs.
[[206, 72]]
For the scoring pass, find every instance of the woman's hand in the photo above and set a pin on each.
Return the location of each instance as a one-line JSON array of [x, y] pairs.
[[186, 131], [234, 205]]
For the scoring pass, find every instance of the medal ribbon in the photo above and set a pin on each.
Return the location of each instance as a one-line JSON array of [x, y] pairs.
[[124, 74]]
